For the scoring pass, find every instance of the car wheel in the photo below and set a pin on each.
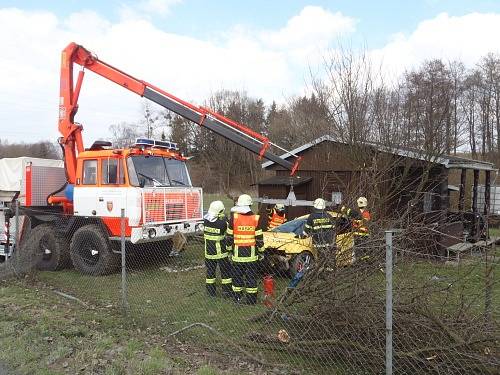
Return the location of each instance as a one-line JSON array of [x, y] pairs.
[[301, 261]]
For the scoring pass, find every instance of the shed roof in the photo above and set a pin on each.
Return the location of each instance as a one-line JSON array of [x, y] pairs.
[[448, 161]]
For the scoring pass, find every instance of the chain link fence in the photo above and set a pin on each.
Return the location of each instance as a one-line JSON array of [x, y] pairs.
[[377, 304]]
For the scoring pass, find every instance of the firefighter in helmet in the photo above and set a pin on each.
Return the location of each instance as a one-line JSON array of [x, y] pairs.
[[320, 225], [360, 223], [214, 233], [245, 236], [360, 230], [276, 216]]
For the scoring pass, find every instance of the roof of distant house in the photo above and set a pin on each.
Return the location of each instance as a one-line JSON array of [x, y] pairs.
[[449, 161]]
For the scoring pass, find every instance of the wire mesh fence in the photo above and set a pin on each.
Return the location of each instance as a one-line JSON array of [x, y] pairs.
[[317, 311]]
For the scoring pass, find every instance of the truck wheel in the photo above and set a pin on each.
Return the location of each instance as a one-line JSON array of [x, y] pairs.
[[51, 247], [91, 252], [301, 261]]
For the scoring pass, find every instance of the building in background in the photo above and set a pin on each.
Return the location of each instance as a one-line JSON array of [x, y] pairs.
[[397, 181]]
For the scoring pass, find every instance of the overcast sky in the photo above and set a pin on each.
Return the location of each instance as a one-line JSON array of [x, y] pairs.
[[193, 48]]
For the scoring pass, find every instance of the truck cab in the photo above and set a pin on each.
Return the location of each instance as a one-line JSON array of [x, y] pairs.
[[149, 181]]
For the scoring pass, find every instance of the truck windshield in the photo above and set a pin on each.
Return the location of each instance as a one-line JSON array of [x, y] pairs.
[[157, 171]]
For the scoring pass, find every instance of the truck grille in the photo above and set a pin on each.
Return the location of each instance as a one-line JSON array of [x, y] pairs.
[[169, 205]]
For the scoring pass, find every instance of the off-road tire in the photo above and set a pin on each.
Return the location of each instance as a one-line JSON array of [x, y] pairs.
[[297, 263], [51, 248], [91, 252]]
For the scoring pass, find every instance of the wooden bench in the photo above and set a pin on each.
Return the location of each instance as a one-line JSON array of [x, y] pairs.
[[461, 247]]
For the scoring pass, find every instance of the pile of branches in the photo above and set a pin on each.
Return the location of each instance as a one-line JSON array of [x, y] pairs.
[[336, 315]]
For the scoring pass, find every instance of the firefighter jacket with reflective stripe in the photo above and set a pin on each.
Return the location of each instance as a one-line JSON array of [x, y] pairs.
[[321, 226], [245, 236], [214, 233], [360, 224], [346, 211], [275, 220]]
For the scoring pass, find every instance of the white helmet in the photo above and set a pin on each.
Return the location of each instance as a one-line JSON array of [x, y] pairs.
[[216, 208], [279, 206], [244, 200], [362, 202], [319, 204]]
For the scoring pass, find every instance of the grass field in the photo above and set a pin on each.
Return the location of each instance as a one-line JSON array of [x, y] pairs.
[[170, 294], [41, 332], [44, 333], [167, 300], [207, 198], [228, 203]]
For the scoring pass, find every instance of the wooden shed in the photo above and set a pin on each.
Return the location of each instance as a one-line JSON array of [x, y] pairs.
[[394, 179]]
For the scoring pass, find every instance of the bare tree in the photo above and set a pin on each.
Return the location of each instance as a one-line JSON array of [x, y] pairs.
[[469, 102], [457, 72], [42, 149], [346, 92], [428, 94], [124, 134]]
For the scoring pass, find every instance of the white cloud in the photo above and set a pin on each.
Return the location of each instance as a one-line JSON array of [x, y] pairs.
[[467, 38], [147, 8], [161, 7], [270, 64], [313, 25], [188, 67], [309, 33]]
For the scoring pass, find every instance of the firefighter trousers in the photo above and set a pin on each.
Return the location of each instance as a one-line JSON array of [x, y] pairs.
[[361, 247], [245, 279], [225, 275]]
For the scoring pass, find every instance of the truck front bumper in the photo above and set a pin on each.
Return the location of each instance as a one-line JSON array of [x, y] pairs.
[[158, 232]]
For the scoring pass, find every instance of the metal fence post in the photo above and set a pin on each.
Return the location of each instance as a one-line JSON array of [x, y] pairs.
[[9, 245], [124, 265], [388, 302], [16, 231]]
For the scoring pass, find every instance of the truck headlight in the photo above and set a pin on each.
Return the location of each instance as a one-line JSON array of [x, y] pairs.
[[152, 233]]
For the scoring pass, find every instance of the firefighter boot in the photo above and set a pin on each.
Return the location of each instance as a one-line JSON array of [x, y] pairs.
[[211, 291], [251, 298], [227, 291], [237, 295]]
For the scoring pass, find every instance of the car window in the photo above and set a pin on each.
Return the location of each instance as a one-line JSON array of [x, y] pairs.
[[293, 226], [300, 229]]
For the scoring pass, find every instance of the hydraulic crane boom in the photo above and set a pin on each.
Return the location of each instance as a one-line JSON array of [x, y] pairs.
[[71, 138]]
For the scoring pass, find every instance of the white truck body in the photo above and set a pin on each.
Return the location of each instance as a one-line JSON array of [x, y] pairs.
[[49, 174], [166, 210]]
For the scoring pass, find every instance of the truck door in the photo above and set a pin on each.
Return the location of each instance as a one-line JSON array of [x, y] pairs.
[[85, 194], [112, 192]]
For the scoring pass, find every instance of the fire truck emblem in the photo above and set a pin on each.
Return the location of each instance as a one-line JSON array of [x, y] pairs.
[[109, 206]]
